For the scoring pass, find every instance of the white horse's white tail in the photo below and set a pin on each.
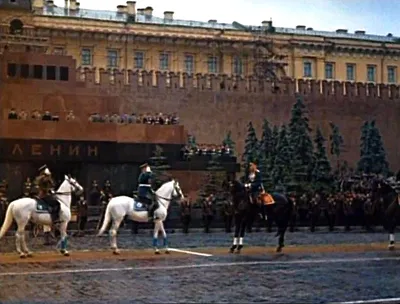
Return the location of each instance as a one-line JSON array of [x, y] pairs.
[[106, 221], [8, 220]]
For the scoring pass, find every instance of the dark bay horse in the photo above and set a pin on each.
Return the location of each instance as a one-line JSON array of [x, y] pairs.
[[280, 212], [386, 193]]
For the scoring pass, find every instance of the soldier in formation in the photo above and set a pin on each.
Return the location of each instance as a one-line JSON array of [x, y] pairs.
[[186, 214]]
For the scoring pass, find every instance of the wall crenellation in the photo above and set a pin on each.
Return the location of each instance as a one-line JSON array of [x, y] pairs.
[[133, 80]]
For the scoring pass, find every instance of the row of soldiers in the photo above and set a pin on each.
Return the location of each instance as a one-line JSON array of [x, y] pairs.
[[348, 207]]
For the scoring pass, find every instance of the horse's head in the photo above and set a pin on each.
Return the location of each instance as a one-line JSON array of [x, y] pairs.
[[177, 192], [74, 185], [236, 187]]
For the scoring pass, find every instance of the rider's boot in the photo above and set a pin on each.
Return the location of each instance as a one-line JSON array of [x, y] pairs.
[[151, 212]]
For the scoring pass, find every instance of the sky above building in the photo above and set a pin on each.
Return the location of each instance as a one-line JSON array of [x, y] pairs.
[[373, 16]]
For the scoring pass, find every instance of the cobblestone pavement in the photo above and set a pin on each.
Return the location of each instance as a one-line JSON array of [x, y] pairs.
[[263, 278]]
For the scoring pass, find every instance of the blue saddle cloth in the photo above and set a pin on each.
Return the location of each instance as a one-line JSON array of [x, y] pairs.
[[139, 206], [42, 206]]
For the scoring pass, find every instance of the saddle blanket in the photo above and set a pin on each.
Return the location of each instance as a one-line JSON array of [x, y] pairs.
[[139, 206], [42, 206], [267, 199]]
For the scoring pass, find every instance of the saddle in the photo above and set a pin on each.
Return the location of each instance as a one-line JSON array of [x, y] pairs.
[[267, 199]]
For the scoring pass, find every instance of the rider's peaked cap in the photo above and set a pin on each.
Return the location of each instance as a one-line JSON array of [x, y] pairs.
[[43, 168], [144, 165]]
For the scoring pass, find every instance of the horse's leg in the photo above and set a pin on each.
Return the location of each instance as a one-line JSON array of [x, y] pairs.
[[165, 239], [25, 248], [282, 222], [155, 236], [64, 238], [237, 231], [18, 241], [113, 235], [243, 227], [391, 230]]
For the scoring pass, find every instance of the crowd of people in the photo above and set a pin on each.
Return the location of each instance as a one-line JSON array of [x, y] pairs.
[[151, 119], [38, 115], [204, 149]]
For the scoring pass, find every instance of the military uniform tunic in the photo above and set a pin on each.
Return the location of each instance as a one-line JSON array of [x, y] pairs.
[[144, 189]]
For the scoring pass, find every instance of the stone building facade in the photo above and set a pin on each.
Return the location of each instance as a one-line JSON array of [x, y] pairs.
[[134, 38]]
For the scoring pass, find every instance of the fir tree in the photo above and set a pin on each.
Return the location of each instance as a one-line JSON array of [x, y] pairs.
[[377, 149], [365, 162], [281, 171], [159, 166], [274, 146], [250, 149], [264, 155], [300, 142], [336, 144], [212, 183], [322, 167], [228, 141]]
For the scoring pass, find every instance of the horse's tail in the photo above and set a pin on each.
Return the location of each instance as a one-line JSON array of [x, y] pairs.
[[106, 221], [8, 220]]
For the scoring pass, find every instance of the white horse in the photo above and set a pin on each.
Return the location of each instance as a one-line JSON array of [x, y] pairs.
[[122, 206], [25, 209]]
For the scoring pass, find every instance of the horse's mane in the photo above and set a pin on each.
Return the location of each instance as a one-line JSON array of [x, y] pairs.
[[164, 185]]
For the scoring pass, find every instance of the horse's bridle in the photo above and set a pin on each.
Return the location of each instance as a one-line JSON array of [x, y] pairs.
[[172, 197], [73, 185]]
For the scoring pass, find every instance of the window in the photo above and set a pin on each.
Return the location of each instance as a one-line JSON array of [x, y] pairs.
[[237, 67], [112, 58], [51, 72], [392, 74], [307, 69], [350, 72], [371, 73], [24, 71], [164, 61], [212, 64], [189, 64], [12, 70], [139, 60], [86, 57], [16, 27], [329, 70], [64, 73], [58, 51], [38, 71]]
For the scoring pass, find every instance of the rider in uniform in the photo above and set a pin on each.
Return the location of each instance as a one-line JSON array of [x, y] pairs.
[[145, 191], [254, 182], [45, 184]]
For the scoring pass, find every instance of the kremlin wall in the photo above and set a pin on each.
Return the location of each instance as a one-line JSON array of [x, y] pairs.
[[208, 105]]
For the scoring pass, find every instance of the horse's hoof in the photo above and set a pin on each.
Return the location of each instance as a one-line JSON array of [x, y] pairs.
[[167, 251], [156, 251], [231, 250], [29, 254], [22, 255], [66, 253], [279, 249], [116, 251]]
